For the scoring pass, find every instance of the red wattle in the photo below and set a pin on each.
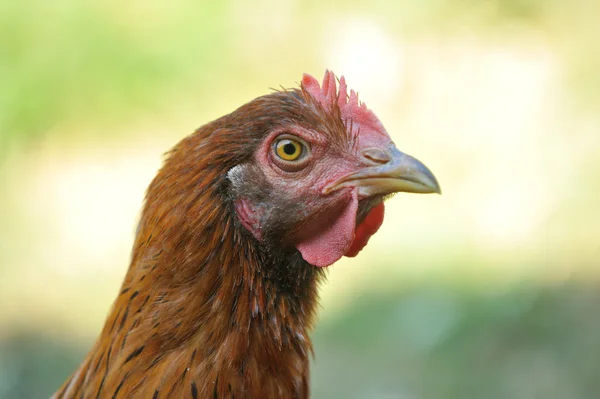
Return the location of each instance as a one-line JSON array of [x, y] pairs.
[[365, 230], [328, 244]]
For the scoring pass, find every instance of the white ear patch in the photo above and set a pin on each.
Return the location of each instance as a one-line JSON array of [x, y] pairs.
[[235, 175]]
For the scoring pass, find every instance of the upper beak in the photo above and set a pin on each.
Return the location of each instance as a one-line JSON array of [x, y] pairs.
[[401, 173]]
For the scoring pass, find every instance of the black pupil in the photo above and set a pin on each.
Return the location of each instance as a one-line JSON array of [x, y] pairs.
[[289, 149]]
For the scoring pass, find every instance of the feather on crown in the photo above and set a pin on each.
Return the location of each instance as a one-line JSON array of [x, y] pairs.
[[350, 108]]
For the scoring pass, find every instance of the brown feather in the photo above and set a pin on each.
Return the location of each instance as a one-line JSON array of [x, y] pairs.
[[205, 310]]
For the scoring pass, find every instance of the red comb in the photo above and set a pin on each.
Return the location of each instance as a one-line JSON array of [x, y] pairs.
[[350, 107]]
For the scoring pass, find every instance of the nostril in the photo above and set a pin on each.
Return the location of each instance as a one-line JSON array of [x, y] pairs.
[[376, 155]]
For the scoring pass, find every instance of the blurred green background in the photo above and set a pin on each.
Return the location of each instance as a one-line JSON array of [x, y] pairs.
[[489, 291]]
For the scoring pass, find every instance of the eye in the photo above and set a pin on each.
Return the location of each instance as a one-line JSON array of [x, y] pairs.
[[289, 149], [290, 153]]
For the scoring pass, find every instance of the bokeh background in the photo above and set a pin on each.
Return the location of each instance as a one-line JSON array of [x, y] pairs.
[[488, 291]]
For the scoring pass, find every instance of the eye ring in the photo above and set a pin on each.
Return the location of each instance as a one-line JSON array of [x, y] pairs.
[[290, 153]]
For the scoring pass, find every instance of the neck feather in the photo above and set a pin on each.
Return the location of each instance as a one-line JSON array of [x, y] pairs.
[[205, 310]]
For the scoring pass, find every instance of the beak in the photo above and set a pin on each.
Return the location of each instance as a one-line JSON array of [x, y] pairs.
[[401, 173]]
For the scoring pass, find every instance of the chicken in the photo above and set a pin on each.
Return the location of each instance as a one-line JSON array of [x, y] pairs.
[[236, 230]]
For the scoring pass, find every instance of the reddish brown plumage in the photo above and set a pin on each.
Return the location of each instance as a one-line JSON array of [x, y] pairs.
[[202, 311], [206, 309]]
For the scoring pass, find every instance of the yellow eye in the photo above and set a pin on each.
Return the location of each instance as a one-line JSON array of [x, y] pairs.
[[288, 149]]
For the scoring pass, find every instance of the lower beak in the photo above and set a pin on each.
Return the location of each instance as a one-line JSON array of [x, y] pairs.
[[402, 173]]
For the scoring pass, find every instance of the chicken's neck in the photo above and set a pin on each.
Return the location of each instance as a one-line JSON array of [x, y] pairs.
[[234, 318]]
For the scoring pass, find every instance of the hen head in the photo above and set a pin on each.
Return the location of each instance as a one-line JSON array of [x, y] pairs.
[[220, 295], [321, 166]]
